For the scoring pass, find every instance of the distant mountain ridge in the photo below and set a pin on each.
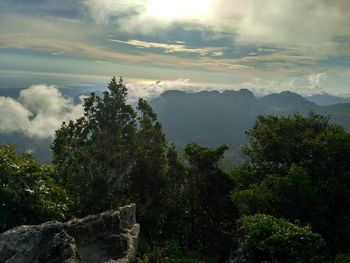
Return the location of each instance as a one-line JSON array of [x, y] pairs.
[[209, 118], [325, 99], [212, 118], [289, 101]]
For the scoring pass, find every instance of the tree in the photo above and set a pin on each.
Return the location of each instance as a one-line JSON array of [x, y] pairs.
[[113, 154], [96, 152], [175, 198], [276, 143], [210, 209], [145, 184], [28, 193], [298, 168], [264, 238], [273, 196]]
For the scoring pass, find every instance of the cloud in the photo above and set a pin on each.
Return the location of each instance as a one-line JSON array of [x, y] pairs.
[[82, 49], [104, 11], [45, 99], [14, 116], [151, 90], [310, 25], [316, 79], [76, 39], [303, 85], [38, 112], [170, 48], [285, 21]]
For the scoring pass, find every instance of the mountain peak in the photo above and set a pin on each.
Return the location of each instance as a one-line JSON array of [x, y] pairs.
[[287, 100]]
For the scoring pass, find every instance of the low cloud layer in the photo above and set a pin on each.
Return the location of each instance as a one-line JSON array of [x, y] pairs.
[[306, 85], [149, 91], [38, 112]]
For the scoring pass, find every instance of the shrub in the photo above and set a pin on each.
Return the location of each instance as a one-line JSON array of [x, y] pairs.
[[266, 238]]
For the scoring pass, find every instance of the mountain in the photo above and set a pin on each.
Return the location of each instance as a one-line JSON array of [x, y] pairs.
[[339, 113], [325, 99], [287, 102], [213, 118], [209, 118]]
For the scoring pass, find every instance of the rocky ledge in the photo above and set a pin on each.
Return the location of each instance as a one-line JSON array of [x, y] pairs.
[[108, 237]]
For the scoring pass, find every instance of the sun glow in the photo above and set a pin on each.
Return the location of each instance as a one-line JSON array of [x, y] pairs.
[[176, 9]]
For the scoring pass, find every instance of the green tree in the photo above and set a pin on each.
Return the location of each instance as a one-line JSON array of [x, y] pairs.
[[210, 209], [276, 143], [291, 195], [96, 152], [298, 168], [264, 238], [28, 193], [175, 201], [146, 181]]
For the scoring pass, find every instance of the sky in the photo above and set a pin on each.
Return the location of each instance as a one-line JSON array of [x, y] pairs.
[[265, 46]]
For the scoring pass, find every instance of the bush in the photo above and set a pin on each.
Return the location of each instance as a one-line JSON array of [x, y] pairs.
[[342, 258], [298, 168], [266, 238]]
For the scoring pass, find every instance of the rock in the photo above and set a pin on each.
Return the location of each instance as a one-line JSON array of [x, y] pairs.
[[110, 237]]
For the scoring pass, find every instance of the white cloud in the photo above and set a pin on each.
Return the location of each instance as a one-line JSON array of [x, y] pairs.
[[304, 85], [310, 25], [44, 126], [13, 115], [38, 112], [316, 79], [148, 91], [45, 99], [103, 11], [284, 21], [170, 48]]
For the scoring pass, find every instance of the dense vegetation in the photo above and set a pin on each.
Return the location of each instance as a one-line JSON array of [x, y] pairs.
[[28, 192], [288, 202]]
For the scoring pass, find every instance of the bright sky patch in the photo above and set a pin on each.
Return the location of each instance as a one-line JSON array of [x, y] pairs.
[[170, 9]]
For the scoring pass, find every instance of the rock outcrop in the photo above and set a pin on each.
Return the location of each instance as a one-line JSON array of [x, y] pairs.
[[108, 237]]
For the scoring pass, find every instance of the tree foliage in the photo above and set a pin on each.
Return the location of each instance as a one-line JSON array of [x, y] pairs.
[[209, 206], [276, 143], [298, 168], [145, 184], [264, 238], [28, 193], [94, 153]]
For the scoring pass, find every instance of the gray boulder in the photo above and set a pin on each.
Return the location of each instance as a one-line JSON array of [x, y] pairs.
[[107, 237]]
